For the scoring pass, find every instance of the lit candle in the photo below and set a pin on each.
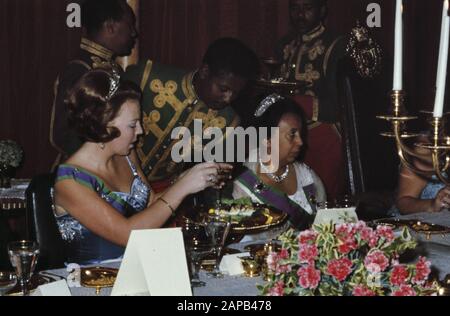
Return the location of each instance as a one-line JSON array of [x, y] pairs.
[[442, 62], [398, 55]]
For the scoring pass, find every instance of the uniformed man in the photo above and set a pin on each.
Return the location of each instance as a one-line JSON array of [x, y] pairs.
[[310, 55], [109, 32], [174, 98]]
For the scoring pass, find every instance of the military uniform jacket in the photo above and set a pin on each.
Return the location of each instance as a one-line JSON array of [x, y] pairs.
[[312, 59], [170, 101]]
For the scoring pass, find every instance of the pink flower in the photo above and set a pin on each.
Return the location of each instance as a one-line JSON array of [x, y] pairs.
[[309, 277], [386, 232], [399, 275], [307, 236], [282, 269], [278, 289], [376, 262], [340, 268], [405, 290], [422, 271], [361, 290], [307, 253], [273, 262], [345, 230], [284, 254], [369, 236], [347, 245], [360, 225]]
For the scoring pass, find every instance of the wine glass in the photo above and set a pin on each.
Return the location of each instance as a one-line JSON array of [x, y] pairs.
[[217, 230], [198, 252], [7, 281], [197, 248], [23, 256]]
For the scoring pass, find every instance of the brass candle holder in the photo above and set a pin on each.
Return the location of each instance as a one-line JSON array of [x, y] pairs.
[[434, 153]]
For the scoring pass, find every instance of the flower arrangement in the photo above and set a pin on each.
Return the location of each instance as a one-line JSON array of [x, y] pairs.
[[10, 154], [350, 259]]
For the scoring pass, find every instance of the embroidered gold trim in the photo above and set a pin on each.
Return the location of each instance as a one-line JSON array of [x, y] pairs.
[[188, 87], [315, 116], [172, 124], [146, 75], [314, 125], [95, 49], [166, 94], [314, 33], [302, 50]]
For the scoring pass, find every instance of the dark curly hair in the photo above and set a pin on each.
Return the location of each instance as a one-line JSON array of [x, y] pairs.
[[96, 12], [231, 56], [90, 111]]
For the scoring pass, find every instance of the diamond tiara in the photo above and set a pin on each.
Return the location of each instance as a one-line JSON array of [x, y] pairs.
[[267, 103]]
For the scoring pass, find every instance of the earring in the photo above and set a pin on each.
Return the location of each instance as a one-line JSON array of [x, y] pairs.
[[102, 146]]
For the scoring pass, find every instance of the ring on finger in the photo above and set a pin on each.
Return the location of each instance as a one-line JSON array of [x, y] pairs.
[[212, 178]]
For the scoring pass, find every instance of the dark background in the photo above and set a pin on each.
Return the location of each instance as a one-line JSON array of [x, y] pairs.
[[35, 44]]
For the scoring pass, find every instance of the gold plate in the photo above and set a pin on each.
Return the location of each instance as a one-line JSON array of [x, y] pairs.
[[265, 217], [98, 277], [416, 225]]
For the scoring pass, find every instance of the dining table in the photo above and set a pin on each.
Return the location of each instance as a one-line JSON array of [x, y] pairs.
[[436, 247]]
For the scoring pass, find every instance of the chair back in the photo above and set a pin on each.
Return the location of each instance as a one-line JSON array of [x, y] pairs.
[[42, 223], [371, 160], [350, 132]]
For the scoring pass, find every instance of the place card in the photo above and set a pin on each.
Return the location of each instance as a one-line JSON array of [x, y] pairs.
[[154, 264], [336, 215], [59, 288]]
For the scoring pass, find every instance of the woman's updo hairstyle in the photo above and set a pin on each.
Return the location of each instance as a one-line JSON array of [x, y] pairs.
[[95, 101]]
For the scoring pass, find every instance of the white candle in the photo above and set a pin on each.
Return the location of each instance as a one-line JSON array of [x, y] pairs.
[[442, 63], [398, 54]]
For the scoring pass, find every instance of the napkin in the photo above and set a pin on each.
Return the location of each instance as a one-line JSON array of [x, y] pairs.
[[231, 264], [58, 288]]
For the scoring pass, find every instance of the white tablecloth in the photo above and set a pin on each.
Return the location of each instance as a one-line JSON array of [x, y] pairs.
[[437, 250]]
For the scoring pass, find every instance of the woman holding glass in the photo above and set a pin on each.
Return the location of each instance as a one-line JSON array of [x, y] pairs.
[[101, 193], [292, 187]]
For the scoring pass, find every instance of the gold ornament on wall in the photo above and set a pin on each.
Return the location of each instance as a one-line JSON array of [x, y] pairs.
[[365, 52]]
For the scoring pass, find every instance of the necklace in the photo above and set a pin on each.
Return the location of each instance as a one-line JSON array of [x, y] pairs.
[[273, 176]]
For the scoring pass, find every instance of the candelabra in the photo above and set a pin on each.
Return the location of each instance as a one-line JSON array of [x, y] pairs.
[[433, 152]]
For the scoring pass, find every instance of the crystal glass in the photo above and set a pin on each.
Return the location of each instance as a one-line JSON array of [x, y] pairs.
[[197, 247], [197, 253], [217, 230], [23, 256], [7, 281]]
